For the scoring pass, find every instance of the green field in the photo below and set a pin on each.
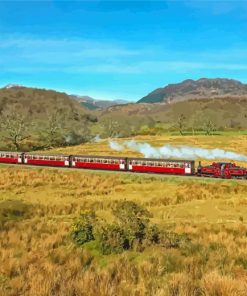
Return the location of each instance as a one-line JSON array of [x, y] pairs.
[[38, 207]]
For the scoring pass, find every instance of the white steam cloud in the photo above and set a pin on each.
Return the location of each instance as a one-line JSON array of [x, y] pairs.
[[96, 139], [182, 152]]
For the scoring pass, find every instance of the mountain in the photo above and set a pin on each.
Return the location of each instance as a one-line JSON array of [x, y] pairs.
[[93, 104], [196, 89], [13, 86]]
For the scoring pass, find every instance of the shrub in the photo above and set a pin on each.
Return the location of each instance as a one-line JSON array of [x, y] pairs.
[[132, 230], [82, 228], [113, 239], [134, 219], [153, 235]]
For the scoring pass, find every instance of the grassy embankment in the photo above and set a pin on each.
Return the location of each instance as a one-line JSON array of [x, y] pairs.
[[37, 207]]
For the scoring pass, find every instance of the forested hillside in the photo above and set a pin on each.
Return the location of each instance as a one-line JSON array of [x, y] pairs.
[[36, 118]]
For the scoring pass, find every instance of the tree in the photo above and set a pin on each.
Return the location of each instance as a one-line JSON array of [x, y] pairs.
[[181, 123], [15, 126], [111, 127], [54, 125], [209, 127]]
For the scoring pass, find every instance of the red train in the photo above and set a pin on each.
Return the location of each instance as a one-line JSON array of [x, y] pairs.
[[145, 165]]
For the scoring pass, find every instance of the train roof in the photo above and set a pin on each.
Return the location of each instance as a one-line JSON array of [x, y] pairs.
[[133, 158], [99, 156], [46, 154], [11, 152], [161, 159]]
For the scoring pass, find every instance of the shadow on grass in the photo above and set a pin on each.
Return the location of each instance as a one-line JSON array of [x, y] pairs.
[[14, 210]]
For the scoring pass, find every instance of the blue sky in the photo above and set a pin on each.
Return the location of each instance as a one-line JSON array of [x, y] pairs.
[[120, 49]]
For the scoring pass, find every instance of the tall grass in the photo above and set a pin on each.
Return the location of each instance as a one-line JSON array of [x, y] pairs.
[[38, 257]]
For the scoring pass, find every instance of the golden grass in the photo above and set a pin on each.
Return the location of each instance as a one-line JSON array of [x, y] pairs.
[[38, 205], [38, 258]]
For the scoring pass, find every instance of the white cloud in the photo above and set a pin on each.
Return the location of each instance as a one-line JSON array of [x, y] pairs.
[[27, 54]]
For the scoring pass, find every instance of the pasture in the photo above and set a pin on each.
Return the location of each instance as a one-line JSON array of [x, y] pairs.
[[38, 206]]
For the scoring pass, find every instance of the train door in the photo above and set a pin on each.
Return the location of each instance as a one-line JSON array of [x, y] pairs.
[[20, 157], [187, 168], [122, 164], [222, 170], [66, 160], [130, 167]]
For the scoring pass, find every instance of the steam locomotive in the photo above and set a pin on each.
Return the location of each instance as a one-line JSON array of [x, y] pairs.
[[139, 165]]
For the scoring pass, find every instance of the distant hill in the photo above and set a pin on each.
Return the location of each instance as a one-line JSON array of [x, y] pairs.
[[93, 104], [224, 113], [196, 89], [43, 116], [38, 102]]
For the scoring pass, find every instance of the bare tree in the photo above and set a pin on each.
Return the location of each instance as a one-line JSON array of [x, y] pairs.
[[181, 123], [55, 125], [15, 126], [209, 127], [111, 127]]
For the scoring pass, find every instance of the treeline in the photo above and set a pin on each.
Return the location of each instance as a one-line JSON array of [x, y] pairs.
[[21, 130]]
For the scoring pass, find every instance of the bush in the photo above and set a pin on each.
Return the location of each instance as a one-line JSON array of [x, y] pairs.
[[153, 235], [113, 239], [134, 219], [82, 228], [131, 230]]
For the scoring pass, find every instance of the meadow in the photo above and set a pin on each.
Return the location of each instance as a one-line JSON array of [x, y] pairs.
[[38, 206]]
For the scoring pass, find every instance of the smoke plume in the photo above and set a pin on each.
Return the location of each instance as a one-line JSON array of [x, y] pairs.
[[182, 152]]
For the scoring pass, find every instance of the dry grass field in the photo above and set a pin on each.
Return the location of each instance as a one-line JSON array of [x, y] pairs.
[[38, 206]]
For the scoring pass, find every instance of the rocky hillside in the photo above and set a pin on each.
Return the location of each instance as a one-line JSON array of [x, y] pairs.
[[196, 89]]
